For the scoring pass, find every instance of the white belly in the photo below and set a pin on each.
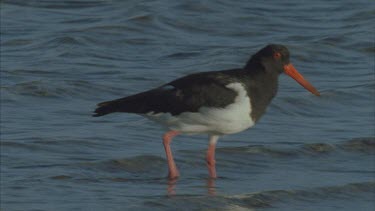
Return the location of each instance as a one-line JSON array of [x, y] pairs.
[[233, 118]]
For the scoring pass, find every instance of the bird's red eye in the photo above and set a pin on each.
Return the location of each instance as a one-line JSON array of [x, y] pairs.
[[277, 55]]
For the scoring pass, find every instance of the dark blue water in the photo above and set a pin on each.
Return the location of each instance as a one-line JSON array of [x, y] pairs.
[[60, 58]]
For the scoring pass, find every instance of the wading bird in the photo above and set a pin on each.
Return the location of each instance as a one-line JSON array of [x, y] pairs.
[[214, 103]]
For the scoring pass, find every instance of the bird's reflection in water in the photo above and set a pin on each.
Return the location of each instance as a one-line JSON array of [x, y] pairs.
[[172, 183], [211, 189], [172, 186]]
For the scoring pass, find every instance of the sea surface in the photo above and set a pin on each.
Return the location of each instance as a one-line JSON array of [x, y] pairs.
[[60, 58]]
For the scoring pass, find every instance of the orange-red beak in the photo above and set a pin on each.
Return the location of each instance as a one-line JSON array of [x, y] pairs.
[[292, 72]]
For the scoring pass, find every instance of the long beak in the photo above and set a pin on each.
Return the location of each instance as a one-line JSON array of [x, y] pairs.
[[292, 72]]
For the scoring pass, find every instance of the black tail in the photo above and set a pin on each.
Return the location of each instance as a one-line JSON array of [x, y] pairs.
[[131, 104], [139, 103], [155, 100], [105, 108]]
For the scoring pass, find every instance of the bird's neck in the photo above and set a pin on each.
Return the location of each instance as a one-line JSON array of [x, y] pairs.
[[254, 65], [261, 86]]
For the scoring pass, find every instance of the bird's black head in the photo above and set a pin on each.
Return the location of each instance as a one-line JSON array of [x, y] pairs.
[[274, 59]]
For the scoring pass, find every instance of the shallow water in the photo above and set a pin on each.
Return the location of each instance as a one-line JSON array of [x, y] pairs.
[[60, 58]]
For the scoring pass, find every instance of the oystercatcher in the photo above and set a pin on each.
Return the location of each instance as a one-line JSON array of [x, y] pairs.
[[214, 103]]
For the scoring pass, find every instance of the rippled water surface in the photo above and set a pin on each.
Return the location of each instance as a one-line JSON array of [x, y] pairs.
[[60, 58]]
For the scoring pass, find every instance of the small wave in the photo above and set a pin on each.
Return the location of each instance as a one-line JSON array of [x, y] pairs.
[[183, 25], [137, 164], [32, 88], [142, 18], [360, 144], [58, 89], [258, 150], [16, 42], [28, 72], [66, 40], [365, 144], [82, 20], [269, 198], [182, 55], [199, 7], [57, 42], [318, 148], [61, 177], [105, 29], [11, 144], [58, 4], [139, 169]]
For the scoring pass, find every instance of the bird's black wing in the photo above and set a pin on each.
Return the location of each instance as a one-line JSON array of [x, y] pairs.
[[188, 93]]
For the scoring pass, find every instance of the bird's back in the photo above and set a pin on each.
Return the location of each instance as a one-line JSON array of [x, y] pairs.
[[188, 93]]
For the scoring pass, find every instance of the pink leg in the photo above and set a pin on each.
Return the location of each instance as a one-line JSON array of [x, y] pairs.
[[167, 138], [211, 156]]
